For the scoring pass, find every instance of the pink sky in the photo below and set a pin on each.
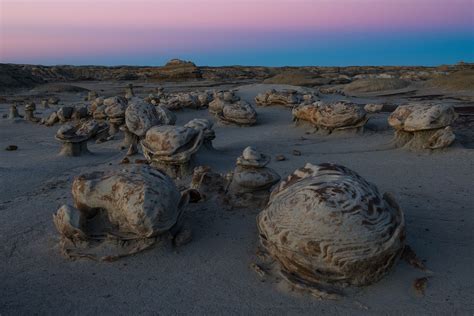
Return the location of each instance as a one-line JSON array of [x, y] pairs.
[[46, 27]]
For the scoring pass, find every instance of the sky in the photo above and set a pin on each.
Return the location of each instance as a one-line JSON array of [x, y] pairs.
[[237, 32]]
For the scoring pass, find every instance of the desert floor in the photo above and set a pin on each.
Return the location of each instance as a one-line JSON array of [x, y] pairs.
[[212, 274]]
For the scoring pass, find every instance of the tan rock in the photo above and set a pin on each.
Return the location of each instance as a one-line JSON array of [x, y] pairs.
[[327, 228], [251, 181], [423, 126], [239, 113], [170, 148], [135, 206]]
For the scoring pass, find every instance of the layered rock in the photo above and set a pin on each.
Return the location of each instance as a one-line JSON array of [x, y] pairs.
[[423, 126], [328, 228], [119, 213], [251, 180], [139, 118], [288, 98], [171, 148], [73, 143], [334, 116]]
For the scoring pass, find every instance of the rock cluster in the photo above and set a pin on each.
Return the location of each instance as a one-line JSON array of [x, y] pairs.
[[287, 98], [181, 100], [328, 228], [423, 126], [229, 109]]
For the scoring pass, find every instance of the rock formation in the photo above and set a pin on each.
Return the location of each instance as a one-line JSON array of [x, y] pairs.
[[120, 213], [30, 109], [115, 111], [287, 98], [73, 143], [328, 228], [251, 180], [170, 148], [335, 116], [139, 118], [423, 126]]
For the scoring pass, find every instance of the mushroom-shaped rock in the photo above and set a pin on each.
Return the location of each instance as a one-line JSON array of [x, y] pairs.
[[327, 228], [170, 148], [44, 104], [251, 180], [239, 113], [30, 109], [13, 113], [73, 144], [139, 118], [115, 111], [205, 126], [129, 94], [134, 206], [423, 126]]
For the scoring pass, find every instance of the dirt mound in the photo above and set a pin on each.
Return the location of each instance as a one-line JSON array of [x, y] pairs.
[[298, 78], [375, 85], [457, 81], [16, 76]]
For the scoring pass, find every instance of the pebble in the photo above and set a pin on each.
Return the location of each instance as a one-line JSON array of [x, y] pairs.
[[11, 147]]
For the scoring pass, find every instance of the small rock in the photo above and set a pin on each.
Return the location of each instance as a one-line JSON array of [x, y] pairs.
[[125, 160], [296, 152], [11, 147], [141, 161], [183, 237], [258, 270], [280, 158], [420, 285]]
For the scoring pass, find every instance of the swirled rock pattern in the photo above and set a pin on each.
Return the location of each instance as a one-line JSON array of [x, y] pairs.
[[326, 226]]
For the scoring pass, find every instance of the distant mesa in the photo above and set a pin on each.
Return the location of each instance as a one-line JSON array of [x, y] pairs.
[[177, 69], [179, 63]]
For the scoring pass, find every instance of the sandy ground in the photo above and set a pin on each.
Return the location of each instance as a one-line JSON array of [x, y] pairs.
[[211, 275]]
